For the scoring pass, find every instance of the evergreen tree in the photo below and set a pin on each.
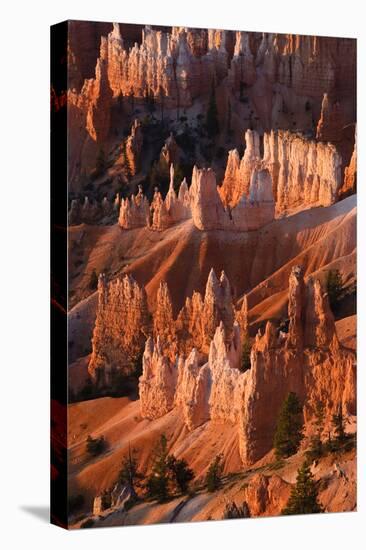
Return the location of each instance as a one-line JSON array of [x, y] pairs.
[[316, 449], [245, 355], [158, 481], [304, 496], [338, 423], [129, 473], [95, 446], [180, 473], [214, 473], [288, 433], [334, 286], [212, 121]]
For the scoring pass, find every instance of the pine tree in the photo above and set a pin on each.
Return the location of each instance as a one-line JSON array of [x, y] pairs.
[[180, 473], [316, 449], [95, 446], [288, 433], [129, 473], [245, 355], [214, 473], [304, 496], [339, 425], [212, 121], [334, 286], [157, 483]]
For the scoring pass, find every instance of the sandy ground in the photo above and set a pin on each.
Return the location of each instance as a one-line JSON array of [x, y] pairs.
[[119, 421]]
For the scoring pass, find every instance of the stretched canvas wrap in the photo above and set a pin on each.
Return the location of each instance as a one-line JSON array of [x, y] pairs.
[[203, 274]]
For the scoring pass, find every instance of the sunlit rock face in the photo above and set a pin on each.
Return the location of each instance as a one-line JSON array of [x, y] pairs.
[[120, 330], [308, 361], [134, 211], [133, 147], [303, 172], [157, 383], [350, 174], [209, 385], [250, 213]]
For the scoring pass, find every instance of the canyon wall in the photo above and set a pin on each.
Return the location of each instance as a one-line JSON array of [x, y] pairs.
[[305, 83]]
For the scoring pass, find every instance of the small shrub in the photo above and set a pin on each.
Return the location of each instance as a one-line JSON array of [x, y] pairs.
[[95, 446], [334, 287], [245, 355]]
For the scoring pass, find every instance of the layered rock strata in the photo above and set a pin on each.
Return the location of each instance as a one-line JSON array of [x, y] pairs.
[[133, 147], [307, 360], [250, 213], [304, 172], [330, 123], [161, 213], [350, 174], [134, 211], [121, 328], [199, 317]]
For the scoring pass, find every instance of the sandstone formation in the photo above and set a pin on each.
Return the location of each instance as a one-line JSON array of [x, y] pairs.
[[350, 174], [208, 211], [83, 50], [170, 152], [239, 172], [164, 325], [284, 81], [307, 360], [94, 212], [310, 362], [198, 319], [304, 172], [289, 74], [159, 214], [330, 123], [157, 383], [134, 211], [116, 53], [162, 213], [120, 331], [133, 147], [96, 96]]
